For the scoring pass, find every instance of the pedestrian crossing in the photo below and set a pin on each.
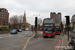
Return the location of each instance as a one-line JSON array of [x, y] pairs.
[[17, 35]]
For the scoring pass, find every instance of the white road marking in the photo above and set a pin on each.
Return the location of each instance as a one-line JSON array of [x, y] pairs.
[[0, 37], [6, 36], [25, 33], [9, 35]]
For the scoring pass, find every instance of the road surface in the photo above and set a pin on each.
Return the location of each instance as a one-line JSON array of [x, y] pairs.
[[25, 41]]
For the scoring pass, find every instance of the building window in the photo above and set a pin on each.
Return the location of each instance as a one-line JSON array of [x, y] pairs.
[[2, 14], [2, 17], [1, 22], [3, 10], [4, 22], [6, 18]]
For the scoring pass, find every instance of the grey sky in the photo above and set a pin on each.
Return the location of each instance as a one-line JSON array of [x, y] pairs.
[[42, 7]]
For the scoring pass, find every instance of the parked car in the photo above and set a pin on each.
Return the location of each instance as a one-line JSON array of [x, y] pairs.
[[14, 31], [26, 29], [19, 30]]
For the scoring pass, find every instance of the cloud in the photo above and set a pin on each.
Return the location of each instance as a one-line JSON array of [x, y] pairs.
[[42, 7]]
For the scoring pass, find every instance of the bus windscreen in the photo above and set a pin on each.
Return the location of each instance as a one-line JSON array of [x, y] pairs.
[[56, 24], [48, 20], [49, 27], [57, 28]]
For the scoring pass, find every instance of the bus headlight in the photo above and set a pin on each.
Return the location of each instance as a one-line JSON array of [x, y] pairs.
[[44, 34]]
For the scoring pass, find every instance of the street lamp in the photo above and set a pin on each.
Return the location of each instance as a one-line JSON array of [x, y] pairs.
[[36, 15]]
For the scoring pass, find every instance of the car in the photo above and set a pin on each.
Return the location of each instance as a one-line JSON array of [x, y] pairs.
[[19, 30], [26, 29], [14, 31]]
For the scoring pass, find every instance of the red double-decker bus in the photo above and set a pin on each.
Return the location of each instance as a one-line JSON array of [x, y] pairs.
[[57, 28], [48, 27]]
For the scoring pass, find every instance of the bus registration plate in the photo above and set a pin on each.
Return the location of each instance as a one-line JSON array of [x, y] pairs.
[[49, 36]]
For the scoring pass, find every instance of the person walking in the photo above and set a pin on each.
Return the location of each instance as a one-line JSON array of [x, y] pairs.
[[65, 30]]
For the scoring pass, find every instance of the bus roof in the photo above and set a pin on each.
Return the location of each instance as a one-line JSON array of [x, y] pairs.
[[48, 20]]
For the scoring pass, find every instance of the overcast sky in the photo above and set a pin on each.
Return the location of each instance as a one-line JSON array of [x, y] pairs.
[[42, 7]]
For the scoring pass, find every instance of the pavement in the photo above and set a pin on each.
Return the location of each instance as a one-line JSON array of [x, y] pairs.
[[66, 41]]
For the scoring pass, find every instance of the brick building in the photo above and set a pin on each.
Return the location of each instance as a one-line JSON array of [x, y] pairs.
[[4, 17], [57, 17]]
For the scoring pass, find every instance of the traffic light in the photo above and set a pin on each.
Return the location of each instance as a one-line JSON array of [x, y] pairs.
[[67, 23], [35, 22], [67, 20]]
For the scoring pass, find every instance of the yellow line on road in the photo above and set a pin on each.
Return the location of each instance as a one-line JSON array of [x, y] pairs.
[[26, 44]]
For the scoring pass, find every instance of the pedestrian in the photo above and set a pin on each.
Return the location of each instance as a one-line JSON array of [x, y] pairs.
[[65, 30]]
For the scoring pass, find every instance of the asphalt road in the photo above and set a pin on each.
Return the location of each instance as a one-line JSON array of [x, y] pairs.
[[41, 43], [14, 41], [25, 41]]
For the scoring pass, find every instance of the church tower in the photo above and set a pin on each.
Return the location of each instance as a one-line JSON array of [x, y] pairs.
[[25, 24], [24, 21], [24, 18]]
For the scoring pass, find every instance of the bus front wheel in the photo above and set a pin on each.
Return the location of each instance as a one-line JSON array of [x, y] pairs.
[[44, 36]]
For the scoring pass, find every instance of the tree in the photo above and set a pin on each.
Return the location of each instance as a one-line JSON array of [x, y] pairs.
[[39, 22], [20, 20], [14, 21]]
